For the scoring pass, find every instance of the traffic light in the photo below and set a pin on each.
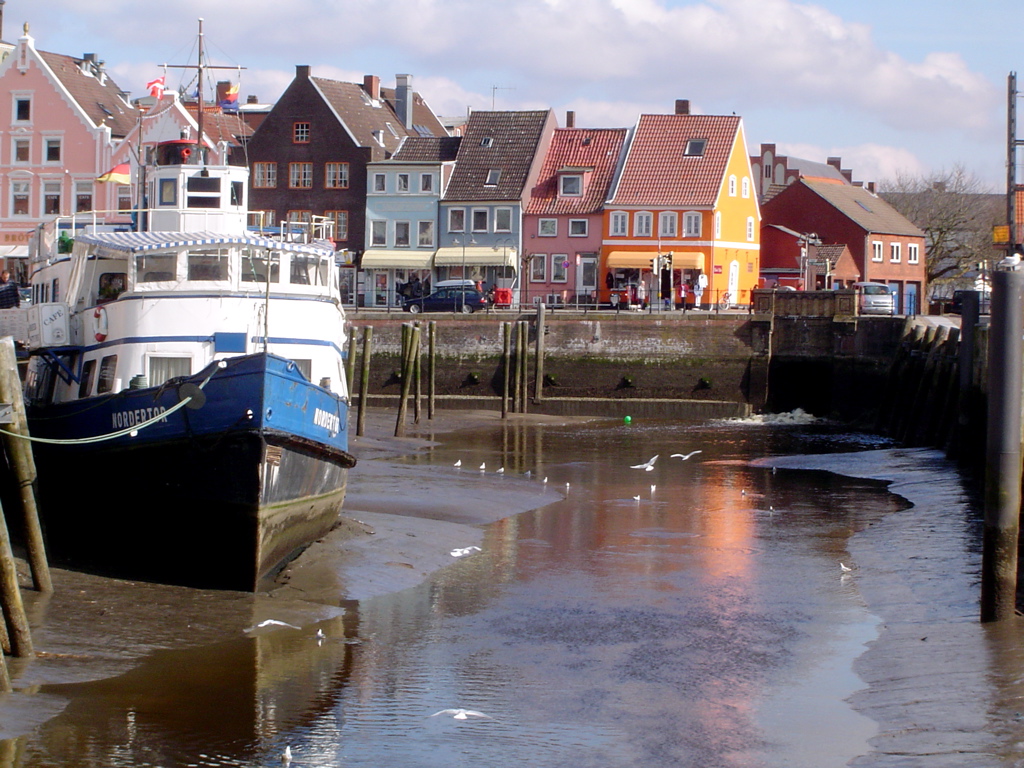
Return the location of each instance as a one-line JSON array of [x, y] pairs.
[[668, 261], [654, 264]]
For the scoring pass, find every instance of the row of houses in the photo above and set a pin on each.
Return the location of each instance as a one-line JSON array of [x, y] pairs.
[[509, 199]]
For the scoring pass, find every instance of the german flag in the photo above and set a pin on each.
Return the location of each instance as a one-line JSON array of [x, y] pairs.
[[119, 174]]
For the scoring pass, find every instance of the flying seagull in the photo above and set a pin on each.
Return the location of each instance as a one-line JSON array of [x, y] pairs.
[[272, 623], [462, 714], [647, 466], [685, 456]]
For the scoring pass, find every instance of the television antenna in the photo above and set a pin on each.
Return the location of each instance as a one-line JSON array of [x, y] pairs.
[[495, 89]]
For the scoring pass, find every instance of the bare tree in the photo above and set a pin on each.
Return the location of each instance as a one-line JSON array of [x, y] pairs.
[[957, 214]]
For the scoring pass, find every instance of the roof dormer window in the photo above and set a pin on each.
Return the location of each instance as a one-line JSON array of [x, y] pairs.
[[493, 177], [695, 147], [570, 185], [486, 141]]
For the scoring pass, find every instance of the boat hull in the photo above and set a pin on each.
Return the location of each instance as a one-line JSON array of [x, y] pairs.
[[219, 493]]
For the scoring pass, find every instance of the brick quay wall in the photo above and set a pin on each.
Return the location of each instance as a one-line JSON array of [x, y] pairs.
[[828, 366]]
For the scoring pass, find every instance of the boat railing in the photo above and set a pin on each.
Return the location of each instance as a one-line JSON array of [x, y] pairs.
[[317, 229]]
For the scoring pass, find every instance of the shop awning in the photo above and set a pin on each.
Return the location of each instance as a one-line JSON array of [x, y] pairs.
[[642, 260], [475, 256], [381, 258]]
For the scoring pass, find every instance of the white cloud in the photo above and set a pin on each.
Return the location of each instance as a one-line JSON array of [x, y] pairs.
[[868, 162]]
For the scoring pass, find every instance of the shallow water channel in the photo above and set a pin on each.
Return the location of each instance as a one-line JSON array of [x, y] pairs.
[[694, 614]]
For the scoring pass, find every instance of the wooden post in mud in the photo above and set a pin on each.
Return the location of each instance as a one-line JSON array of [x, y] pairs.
[[410, 348], [417, 370], [538, 362], [506, 350], [524, 370], [516, 361], [350, 363], [431, 367], [15, 618], [19, 453], [5, 678], [1003, 449], [364, 379]]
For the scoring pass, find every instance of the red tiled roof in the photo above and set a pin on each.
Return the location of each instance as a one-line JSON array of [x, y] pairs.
[[596, 149], [502, 141], [102, 101], [656, 171]]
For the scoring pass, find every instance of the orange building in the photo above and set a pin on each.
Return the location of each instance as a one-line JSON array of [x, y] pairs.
[[683, 209]]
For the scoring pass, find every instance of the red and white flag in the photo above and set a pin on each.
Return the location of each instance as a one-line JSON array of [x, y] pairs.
[[156, 87]]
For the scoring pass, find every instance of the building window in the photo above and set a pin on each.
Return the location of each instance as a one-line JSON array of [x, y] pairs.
[[539, 268], [547, 227], [913, 253], [124, 198], [767, 170], [425, 235], [894, 253], [402, 184], [745, 187], [402, 229], [51, 197], [486, 141], [264, 175], [695, 147], [619, 226], [691, 225], [732, 186], [667, 221], [19, 198], [380, 182], [876, 251], [340, 219], [53, 150], [503, 220], [456, 220], [336, 176], [718, 224], [480, 219], [300, 133], [493, 177], [750, 229], [426, 182], [559, 267], [642, 224], [300, 217], [21, 150], [300, 175], [577, 227], [22, 110], [379, 232], [571, 186], [83, 196]]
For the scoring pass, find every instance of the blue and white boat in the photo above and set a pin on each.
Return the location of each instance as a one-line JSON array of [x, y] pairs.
[[186, 387]]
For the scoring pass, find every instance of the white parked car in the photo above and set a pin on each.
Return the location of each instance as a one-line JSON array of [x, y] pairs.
[[875, 299]]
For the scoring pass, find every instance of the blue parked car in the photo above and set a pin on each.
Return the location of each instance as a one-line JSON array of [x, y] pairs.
[[454, 299]]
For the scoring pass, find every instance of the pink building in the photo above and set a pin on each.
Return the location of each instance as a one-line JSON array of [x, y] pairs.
[[562, 225]]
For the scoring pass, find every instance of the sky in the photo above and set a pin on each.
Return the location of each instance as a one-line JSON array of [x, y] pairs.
[[895, 88]]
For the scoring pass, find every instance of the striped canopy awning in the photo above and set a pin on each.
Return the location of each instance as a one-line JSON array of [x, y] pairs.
[[642, 259], [137, 242], [382, 258], [475, 256]]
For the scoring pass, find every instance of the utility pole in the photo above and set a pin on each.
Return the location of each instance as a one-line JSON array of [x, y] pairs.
[[1011, 162]]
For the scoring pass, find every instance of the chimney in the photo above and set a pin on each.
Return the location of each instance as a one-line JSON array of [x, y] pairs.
[[836, 162], [371, 84], [222, 90], [570, 119], [403, 99], [251, 99], [302, 71], [2, 19], [682, 106]]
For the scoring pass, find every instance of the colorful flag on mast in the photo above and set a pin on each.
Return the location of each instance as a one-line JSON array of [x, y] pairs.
[[119, 174], [230, 101], [156, 87]]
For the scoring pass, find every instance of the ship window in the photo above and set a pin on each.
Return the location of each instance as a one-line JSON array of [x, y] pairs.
[[168, 194], [207, 265], [85, 385], [308, 270], [155, 268], [162, 369], [111, 286], [305, 367], [108, 367], [254, 267]]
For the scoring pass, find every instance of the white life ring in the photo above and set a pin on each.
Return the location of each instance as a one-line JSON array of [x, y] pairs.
[[99, 323]]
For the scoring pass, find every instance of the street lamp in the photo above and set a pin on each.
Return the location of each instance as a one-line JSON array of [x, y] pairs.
[[805, 241]]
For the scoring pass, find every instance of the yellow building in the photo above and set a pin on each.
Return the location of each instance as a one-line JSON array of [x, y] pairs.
[[683, 209]]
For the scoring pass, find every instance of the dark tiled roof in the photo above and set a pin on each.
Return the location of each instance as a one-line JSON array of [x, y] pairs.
[[657, 172], [417, 149], [103, 101], [871, 213], [504, 141], [424, 121], [223, 127], [596, 149], [362, 117], [832, 252]]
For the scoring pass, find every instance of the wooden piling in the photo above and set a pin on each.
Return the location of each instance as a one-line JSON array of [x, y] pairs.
[[538, 362], [10, 597], [19, 452], [506, 353], [410, 348], [517, 362], [417, 370], [431, 367], [350, 362], [364, 379]]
